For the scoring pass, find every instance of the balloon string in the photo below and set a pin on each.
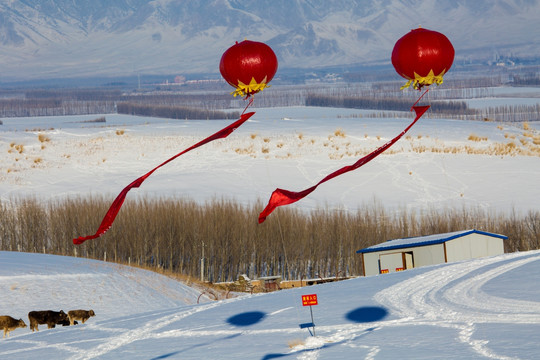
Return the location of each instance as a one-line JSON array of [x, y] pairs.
[[417, 101], [248, 105]]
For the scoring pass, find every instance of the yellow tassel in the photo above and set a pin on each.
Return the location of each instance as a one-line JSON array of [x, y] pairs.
[[406, 85], [251, 88], [420, 81]]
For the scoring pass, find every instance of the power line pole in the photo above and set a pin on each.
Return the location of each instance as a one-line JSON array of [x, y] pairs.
[[202, 263]]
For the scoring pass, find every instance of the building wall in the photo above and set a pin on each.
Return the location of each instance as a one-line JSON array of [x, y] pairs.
[[466, 247], [422, 256], [371, 263], [473, 246], [428, 255]]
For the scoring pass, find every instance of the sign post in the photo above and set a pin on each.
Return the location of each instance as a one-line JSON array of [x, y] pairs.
[[309, 300]]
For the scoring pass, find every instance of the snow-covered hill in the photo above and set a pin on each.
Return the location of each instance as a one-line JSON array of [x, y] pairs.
[[42, 282], [480, 309], [58, 38]]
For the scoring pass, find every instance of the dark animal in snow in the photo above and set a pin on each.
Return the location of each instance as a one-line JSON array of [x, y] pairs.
[[81, 315], [49, 317], [9, 324], [66, 323]]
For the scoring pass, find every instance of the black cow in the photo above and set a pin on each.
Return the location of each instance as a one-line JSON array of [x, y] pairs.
[[66, 323], [49, 317]]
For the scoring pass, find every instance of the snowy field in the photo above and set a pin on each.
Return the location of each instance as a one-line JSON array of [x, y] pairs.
[[435, 166], [481, 309]]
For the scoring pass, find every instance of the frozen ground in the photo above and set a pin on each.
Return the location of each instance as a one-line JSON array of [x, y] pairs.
[[481, 309], [437, 165]]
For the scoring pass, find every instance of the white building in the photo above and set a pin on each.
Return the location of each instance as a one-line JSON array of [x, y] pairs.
[[408, 253]]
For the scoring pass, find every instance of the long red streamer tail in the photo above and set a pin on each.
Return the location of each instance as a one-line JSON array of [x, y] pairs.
[[107, 221], [282, 197]]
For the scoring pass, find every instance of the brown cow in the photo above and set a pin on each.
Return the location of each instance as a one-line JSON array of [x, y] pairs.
[[9, 324], [82, 315], [49, 317]]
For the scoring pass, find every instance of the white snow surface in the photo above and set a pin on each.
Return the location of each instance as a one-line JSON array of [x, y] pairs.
[[485, 308], [480, 309], [291, 148]]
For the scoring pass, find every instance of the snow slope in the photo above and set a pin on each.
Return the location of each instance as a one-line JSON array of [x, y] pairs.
[[480, 309], [40, 282]]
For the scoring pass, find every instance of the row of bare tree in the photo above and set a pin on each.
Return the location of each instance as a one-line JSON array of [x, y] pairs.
[[174, 112], [173, 234], [53, 107], [396, 104], [176, 103]]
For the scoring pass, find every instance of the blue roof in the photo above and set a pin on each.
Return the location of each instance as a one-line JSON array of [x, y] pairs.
[[425, 240]]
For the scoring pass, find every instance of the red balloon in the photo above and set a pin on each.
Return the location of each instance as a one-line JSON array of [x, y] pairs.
[[248, 66], [423, 56]]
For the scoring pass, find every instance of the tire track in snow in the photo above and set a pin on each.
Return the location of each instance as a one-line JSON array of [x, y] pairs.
[[444, 297], [479, 346], [141, 333], [30, 345], [448, 294], [452, 296], [477, 305]]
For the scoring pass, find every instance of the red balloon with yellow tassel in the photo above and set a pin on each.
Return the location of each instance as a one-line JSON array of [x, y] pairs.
[[422, 57], [248, 66]]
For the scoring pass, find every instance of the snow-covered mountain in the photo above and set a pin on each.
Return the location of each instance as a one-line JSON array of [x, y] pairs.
[[72, 38]]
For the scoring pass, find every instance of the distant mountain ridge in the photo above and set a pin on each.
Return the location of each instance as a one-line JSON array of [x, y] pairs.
[[67, 38]]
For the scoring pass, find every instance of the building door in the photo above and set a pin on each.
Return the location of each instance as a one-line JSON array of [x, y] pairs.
[[390, 263], [395, 262], [408, 260]]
